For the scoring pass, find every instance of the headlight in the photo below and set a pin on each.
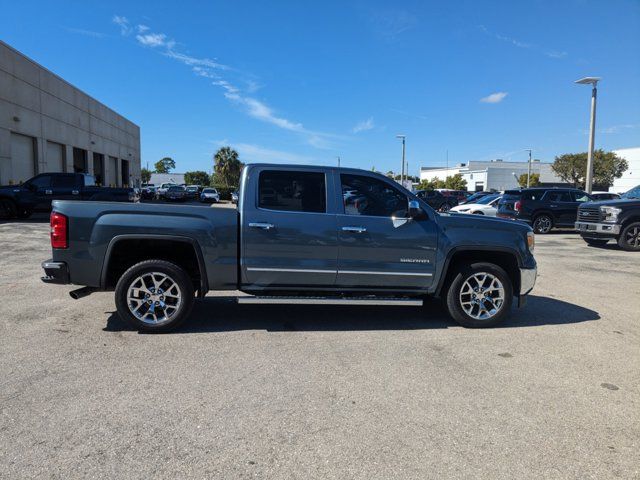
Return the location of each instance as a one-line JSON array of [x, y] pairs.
[[531, 241], [610, 214]]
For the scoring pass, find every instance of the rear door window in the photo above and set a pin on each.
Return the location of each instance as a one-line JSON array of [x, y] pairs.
[[292, 191]]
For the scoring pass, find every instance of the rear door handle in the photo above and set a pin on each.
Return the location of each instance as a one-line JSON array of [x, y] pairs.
[[264, 226], [354, 229], [74, 192], [48, 192]]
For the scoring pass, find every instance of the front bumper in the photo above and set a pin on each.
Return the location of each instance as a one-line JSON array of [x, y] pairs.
[[55, 272], [587, 228], [527, 279]]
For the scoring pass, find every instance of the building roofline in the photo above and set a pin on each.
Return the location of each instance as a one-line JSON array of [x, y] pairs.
[[39, 65]]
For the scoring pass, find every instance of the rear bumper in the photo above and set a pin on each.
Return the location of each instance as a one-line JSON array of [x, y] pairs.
[[588, 229], [55, 272]]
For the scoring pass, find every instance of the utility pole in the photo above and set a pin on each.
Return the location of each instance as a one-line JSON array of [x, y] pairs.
[[447, 174], [529, 168], [593, 81], [338, 161], [403, 138]]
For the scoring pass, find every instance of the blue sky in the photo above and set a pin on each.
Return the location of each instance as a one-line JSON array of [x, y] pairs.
[[305, 82]]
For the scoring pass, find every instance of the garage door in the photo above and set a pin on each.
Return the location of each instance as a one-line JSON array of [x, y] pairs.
[[22, 158], [55, 157]]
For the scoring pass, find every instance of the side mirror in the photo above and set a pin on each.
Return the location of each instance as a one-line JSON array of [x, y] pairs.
[[32, 187], [415, 211]]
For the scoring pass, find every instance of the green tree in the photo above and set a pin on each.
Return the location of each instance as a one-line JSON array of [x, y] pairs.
[[534, 181], [197, 177], [455, 182], [145, 175], [165, 165], [227, 167], [572, 168]]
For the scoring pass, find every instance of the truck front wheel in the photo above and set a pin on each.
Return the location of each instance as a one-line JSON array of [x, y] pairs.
[[629, 238], [154, 296], [480, 295]]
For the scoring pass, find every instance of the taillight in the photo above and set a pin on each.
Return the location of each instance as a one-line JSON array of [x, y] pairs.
[[517, 205], [59, 230]]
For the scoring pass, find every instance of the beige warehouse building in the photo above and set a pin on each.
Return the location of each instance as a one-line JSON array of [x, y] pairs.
[[48, 125]]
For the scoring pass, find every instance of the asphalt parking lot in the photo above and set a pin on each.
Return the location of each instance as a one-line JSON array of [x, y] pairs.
[[323, 392]]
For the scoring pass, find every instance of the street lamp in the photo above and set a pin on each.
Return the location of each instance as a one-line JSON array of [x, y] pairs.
[[403, 137], [592, 128]]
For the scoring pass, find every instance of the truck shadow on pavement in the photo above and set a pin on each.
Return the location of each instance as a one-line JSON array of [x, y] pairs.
[[223, 314]]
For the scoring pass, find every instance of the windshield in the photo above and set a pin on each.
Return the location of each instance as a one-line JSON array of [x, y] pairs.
[[633, 193], [208, 190], [487, 199], [175, 189]]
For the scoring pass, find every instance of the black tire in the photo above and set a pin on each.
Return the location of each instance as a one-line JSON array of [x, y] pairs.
[[175, 274], [596, 242], [477, 213], [7, 208], [454, 298], [542, 224], [629, 238], [445, 207]]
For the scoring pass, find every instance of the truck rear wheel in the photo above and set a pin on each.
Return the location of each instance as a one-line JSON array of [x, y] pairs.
[[154, 296], [480, 295]]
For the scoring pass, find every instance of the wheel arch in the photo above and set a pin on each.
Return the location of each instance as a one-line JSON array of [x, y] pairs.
[[183, 251], [505, 257]]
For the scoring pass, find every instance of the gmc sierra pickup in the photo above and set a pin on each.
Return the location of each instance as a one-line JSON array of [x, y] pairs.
[[37, 193], [300, 234]]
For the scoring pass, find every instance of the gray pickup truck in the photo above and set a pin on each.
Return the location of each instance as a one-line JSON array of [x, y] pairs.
[[300, 234]]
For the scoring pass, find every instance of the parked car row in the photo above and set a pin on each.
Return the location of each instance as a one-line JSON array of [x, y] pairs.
[[177, 193], [37, 193]]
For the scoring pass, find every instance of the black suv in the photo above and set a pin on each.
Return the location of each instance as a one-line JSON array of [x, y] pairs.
[[543, 208], [437, 200]]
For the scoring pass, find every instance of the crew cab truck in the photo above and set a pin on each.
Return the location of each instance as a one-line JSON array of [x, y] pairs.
[[300, 234], [619, 220], [37, 193]]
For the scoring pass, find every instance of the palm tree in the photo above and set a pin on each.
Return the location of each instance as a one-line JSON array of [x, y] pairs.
[[227, 166]]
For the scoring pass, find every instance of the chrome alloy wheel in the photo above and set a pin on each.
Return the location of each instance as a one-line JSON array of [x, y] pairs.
[[153, 298], [543, 224], [633, 237], [482, 296]]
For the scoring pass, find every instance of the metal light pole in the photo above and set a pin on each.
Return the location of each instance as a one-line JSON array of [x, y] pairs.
[[338, 161], [592, 128], [529, 168], [403, 137]]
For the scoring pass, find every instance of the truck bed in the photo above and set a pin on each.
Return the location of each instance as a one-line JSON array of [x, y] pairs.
[[96, 227]]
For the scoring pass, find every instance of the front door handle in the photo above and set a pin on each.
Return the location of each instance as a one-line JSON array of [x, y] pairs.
[[48, 192], [264, 226], [354, 229], [74, 192]]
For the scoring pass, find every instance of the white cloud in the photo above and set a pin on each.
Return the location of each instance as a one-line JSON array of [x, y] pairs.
[[494, 97], [123, 23], [517, 43], [152, 39], [250, 153], [618, 128], [212, 69], [364, 125], [87, 33]]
